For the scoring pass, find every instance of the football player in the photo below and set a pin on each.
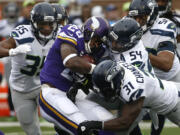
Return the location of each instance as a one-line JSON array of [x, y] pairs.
[[165, 11], [56, 77], [159, 38], [28, 46], [126, 46], [137, 89]]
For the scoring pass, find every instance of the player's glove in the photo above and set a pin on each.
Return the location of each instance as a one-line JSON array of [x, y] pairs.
[[20, 50], [89, 127], [80, 82], [84, 82], [72, 92]]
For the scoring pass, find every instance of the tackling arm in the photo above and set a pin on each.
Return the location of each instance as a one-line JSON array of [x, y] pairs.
[[163, 61], [129, 113], [165, 56]]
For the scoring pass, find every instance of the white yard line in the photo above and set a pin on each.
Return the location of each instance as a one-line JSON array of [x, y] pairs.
[[147, 125], [14, 124], [22, 133]]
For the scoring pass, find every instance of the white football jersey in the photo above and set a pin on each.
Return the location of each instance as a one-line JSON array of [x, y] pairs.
[[163, 30], [26, 67], [160, 95], [137, 56]]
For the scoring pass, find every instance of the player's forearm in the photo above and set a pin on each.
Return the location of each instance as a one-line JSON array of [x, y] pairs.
[[77, 64], [162, 63], [118, 124]]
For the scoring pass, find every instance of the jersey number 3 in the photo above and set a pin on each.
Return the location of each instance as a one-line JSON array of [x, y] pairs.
[[33, 69]]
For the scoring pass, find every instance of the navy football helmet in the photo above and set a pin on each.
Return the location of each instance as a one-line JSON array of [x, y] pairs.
[[61, 14], [43, 13], [95, 28], [147, 8], [126, 33], [11, 12], [107, 79], [164, 6]]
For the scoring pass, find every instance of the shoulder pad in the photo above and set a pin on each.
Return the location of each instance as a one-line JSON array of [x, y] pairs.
[[22, 34], [164, 24], [70, 33], [164, 27]]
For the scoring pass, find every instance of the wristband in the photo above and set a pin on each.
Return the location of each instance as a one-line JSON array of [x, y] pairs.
[[69, 57], [11, 52]]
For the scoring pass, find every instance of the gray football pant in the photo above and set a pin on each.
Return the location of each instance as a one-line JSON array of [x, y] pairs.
[[26, 107]]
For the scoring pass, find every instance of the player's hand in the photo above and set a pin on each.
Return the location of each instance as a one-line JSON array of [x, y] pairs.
[[77, 77], [22, 49], [83, 82], [89, 128], [72, 92]]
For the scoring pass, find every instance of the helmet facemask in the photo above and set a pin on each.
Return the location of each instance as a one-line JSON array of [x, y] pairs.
[[164, 7], [94, 44], [38, 26], [43, 21]]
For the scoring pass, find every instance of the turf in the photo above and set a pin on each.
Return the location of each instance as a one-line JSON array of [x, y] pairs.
[[50, 131]]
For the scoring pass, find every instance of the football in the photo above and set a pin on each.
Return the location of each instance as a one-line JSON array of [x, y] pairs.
[[90, 59]]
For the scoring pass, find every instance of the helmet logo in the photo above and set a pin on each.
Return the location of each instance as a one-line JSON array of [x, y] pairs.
[[95, 23], [113, 72], [133, 12]]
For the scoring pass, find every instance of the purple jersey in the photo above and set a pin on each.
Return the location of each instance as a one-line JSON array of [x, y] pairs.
[[53, 71]]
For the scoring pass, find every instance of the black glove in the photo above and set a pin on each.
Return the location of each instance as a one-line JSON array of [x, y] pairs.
[[89, 128], [72, 92], [82, 82]]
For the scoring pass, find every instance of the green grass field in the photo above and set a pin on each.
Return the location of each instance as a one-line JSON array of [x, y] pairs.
[[10, 127], [50, 131]]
